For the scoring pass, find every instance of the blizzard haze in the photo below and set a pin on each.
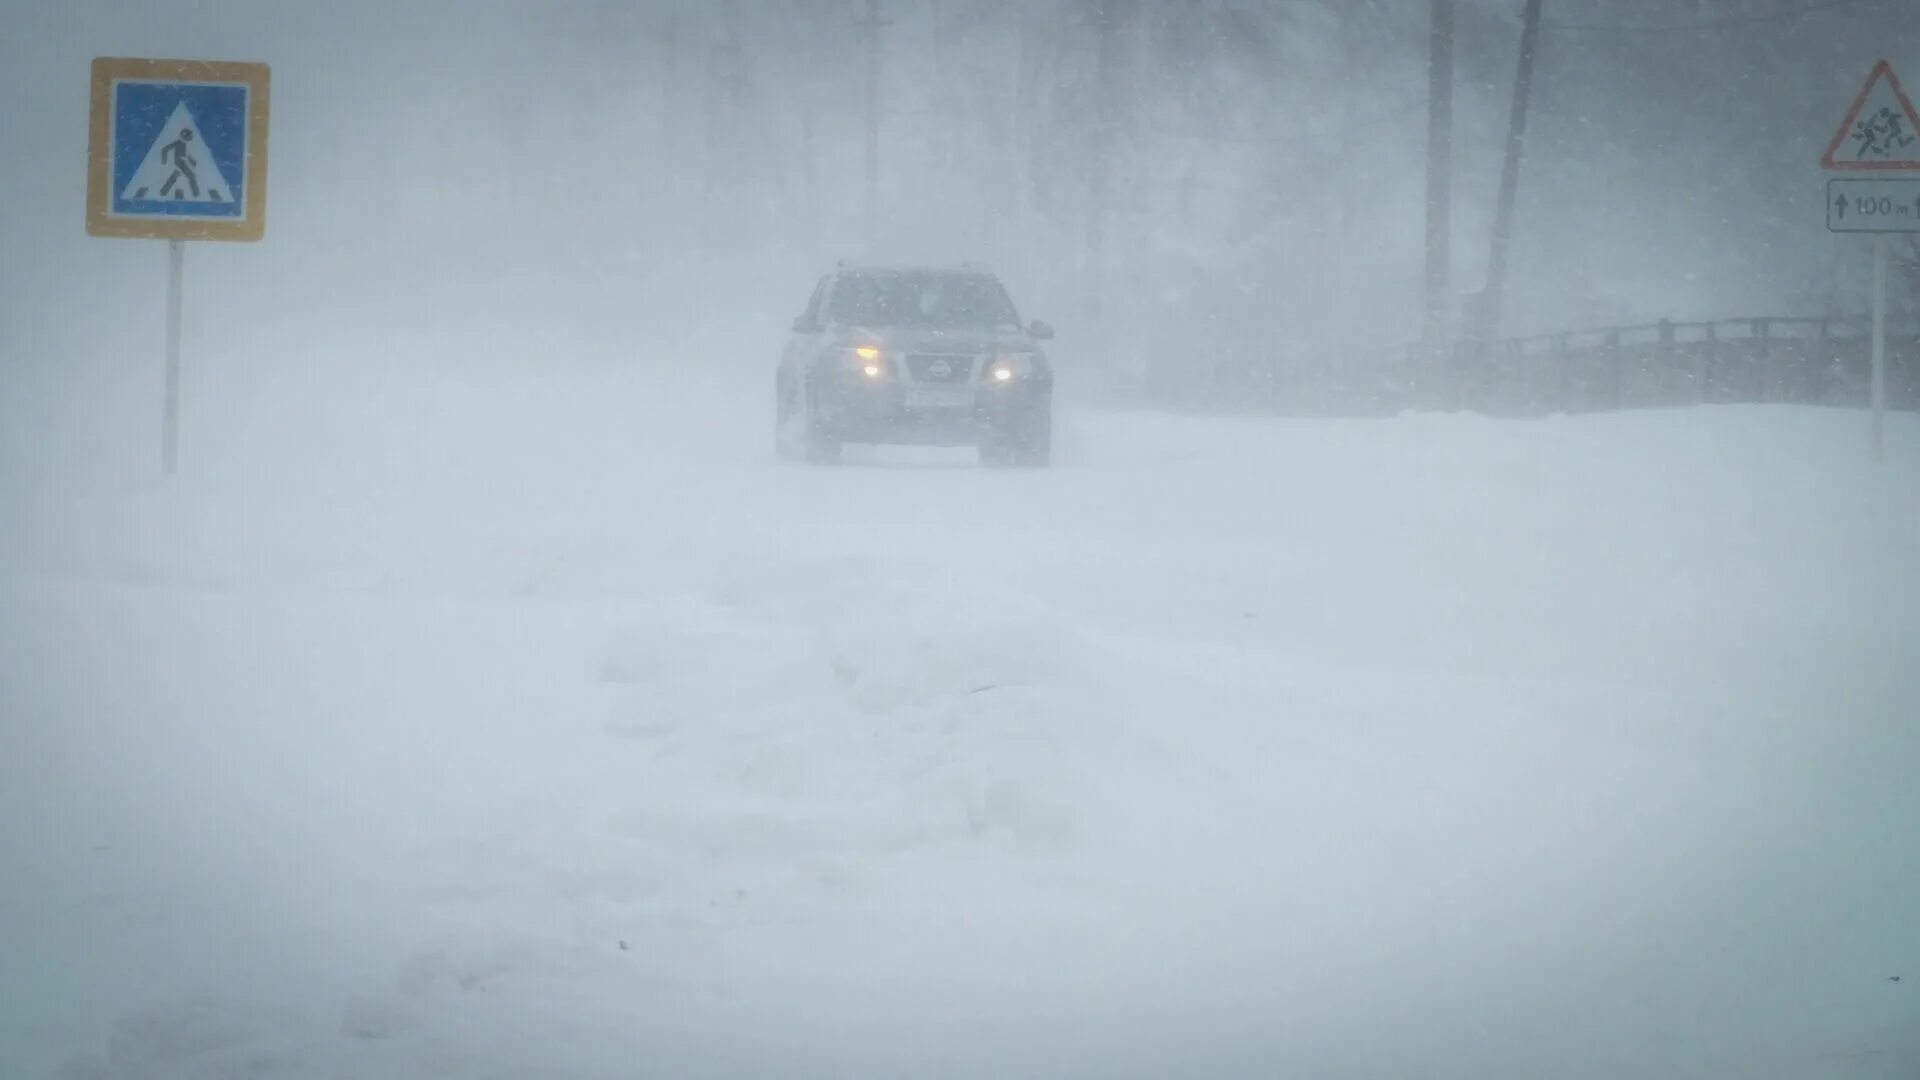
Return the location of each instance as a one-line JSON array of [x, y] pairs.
[[486, 697]]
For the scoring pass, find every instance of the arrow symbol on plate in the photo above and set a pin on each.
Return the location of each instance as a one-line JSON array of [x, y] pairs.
[[1840, 204]]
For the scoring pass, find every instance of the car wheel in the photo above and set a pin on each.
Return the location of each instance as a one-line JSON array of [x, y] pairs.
[[782, 418], [1034, 448], [823, 443], [1028, 445]]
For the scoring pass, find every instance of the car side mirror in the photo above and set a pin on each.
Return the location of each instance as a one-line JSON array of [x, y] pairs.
[[1040, 331], [804, 325]]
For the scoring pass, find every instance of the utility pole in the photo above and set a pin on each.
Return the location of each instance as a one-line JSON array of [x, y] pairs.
[[872, 24], [1100, 168], [1439, 174], [669, 48], [1488, 320]]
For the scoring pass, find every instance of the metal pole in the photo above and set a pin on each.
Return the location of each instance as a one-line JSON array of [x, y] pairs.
[[669, 49], [1439, 170], [1100, 164], [1879, 345], [873, 121], [170, 415], [1509, 179]]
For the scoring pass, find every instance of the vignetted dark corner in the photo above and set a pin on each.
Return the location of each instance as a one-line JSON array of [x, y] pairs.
[[593, 539]]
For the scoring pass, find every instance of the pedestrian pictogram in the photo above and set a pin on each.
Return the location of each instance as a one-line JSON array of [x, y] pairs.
[[180, 169], [1881, 129], [178, 150]]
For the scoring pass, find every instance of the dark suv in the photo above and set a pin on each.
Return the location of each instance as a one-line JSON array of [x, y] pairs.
[[915, 355]]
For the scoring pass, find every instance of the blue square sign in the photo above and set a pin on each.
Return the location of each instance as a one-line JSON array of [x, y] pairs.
[[178, 150]]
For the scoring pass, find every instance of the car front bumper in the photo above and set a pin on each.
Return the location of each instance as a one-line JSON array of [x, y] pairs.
[[893, 411]]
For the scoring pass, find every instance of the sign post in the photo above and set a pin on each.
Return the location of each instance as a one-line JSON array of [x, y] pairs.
[[177, 151], [1880, 134], [170, 414], [1879, 346]]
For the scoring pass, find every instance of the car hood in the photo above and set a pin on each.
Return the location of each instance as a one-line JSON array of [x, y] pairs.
[[967, 339]]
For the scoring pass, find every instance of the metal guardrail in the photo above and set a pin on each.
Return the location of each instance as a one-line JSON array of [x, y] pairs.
[[1777, 358]]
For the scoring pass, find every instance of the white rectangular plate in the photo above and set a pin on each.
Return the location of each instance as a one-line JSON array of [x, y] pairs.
[[939, 397]]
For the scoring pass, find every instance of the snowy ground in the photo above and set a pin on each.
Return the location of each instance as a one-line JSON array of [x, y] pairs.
[[560, 731]]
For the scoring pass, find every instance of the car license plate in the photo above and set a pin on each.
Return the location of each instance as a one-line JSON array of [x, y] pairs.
[[939, 397]]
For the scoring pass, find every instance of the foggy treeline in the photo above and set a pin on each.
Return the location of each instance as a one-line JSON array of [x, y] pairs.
[[1212, 172], [1163, 179]]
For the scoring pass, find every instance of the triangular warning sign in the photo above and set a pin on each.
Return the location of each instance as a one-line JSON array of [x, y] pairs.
[[1881, 130], [178, 167]]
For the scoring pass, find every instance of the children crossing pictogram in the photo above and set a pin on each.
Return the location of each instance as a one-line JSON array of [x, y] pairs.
[[1881, 131]]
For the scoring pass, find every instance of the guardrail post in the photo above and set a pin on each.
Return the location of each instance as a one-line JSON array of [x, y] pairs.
[[1514, 377], [1703, 372], [1614, 364], [1763, 357], [1562, 380], [1824, 373], [1450, 379], [1663, 357]]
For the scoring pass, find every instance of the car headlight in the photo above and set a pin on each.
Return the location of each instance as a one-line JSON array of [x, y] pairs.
[[869, 361], [1009, 366]]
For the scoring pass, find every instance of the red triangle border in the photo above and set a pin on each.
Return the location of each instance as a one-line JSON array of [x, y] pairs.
[[1881, 69]]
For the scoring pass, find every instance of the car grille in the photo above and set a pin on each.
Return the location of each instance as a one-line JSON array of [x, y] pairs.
[[939, 368]]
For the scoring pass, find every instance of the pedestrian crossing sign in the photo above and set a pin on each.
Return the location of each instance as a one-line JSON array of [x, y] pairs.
[[178, 150]]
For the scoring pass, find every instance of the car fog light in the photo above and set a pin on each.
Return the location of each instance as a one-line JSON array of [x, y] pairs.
[[865, 360]]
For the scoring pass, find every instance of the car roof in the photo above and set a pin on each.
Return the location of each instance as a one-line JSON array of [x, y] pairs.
[[847, 269]]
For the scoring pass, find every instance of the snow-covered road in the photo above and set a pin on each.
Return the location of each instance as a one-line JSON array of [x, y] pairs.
[[561, 731]]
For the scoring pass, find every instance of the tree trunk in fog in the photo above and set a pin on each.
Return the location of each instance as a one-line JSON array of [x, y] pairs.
[[1026, 108], [1439, 298], [1347, 24], [669, 50], [1102, 146], [1488, 321], [710, 136], [872, 24], [944, 146], [810, 169]]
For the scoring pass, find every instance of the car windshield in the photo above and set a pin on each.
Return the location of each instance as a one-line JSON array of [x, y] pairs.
[[938, 300]]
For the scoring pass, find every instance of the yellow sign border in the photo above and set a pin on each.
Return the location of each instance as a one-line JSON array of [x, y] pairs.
[[106, 70]]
